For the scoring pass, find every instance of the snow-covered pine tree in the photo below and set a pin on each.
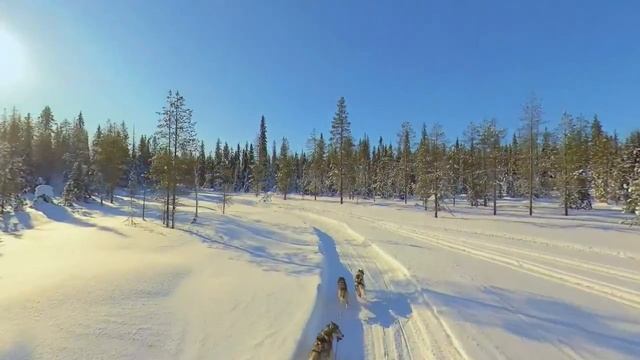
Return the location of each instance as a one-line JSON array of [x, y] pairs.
[[11, 176], [111, 152], [601, 160], [437, 168], [43, 155], [490, 140], [513, 168], [471, 164], [631, 162], [74, 188], [455, 169], [405, 143], [285, 168], [26, 150], [176, 133], [529, 132], [341, 142], [633, 203], [547, 163], [317, 170], [363, 168], [273, 168], [582, 175], [261, 167], [423, 185]]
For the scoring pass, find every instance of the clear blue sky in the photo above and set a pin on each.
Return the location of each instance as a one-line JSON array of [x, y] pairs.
[[394, 61]]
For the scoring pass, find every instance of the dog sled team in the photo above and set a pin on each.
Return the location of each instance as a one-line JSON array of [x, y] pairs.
[[323, 346]]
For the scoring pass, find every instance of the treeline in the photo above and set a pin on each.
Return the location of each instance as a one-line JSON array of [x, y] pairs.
[[577, 161]]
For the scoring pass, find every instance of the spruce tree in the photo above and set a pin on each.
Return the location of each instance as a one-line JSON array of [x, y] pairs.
[[405, 140], [491, 140], [341, 141], [74, 188], [531, 119], [285, 168], [43, 155], [261, 166]]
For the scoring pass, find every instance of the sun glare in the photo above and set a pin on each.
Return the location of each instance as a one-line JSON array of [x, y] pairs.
[[13, 62]]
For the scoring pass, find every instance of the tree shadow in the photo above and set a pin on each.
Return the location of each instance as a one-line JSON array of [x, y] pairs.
[[17, 351], [271, 250], [62, 214], [543, 319]]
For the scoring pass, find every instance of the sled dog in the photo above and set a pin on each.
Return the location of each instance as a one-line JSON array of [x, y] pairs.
[[359, 281], [323, 346], [343, 293]]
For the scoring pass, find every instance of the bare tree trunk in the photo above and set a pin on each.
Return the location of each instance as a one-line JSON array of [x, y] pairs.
[[436, 204], [224, 199], [531, 168], [144, 199], [341, 163], [495, 184], [196, 185]]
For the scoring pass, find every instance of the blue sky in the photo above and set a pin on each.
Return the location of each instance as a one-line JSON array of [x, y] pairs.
[[394, 61]]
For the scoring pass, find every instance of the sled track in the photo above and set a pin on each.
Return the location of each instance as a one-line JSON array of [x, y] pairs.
[[422, 334], [616, 293], [536, 241], [602, 269]]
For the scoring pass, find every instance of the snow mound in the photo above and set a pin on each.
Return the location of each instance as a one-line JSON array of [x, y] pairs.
[[44, 192]]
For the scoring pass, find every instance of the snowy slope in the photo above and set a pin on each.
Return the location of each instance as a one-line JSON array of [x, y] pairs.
[[260, 282], [90, 287]]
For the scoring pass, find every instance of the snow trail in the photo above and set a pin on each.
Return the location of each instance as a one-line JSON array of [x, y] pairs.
[[623, 295], [398, 320]]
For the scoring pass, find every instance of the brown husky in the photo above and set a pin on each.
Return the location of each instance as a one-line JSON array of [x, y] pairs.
[[359, 281], [323, 346]]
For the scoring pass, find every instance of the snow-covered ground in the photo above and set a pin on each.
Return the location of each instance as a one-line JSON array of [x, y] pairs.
[[259, 282]]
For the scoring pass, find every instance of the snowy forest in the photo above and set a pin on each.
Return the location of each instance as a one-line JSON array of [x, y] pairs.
[[576, 162]]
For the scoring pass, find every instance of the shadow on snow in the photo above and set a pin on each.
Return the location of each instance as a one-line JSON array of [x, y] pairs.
[[327, 307]]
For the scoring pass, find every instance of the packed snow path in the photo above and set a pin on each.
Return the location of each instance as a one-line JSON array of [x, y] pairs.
[[260, 282], [556, 317]]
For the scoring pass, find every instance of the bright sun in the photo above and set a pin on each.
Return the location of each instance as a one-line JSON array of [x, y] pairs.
[[13, 62]]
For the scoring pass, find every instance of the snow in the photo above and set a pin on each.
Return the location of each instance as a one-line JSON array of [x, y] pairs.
[[260, 282], [45, 190]]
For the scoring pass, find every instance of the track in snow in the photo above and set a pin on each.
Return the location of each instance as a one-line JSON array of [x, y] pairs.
[[397, 320], [532, 263]]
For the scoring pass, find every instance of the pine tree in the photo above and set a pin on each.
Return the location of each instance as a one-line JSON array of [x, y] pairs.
[[43, 155], [285, 168], [436, 172], [490, 140], [363, 168], [176, 130], [601, 160], [317, 165], [405, 140], [423, 184], [473, 172], [455, 169], [11, 176], [74, 188], [633, 203], [26, 150], [341, 142], [630, 163], [547, 163], [111, 156], [531, 119], [261, 167]]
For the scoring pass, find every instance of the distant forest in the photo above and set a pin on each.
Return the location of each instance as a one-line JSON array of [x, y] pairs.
[[577, 162]]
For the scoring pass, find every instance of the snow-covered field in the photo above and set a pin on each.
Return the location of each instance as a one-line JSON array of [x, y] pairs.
[[259, 282]]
